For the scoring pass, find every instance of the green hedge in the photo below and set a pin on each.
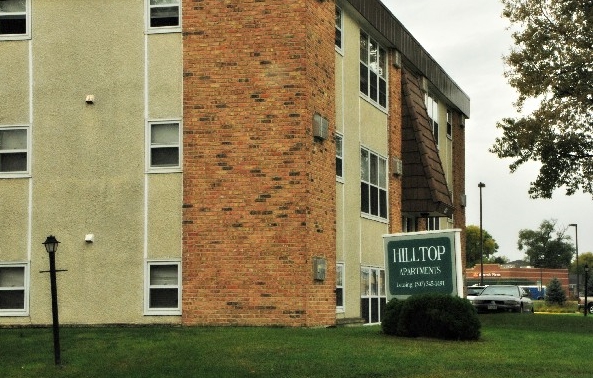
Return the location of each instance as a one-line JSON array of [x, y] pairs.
[[438, 316]]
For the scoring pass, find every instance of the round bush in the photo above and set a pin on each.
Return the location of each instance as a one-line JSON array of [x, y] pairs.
[[439, 316]]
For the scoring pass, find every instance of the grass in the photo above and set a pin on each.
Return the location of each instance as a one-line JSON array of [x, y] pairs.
[[541, 345], [569, 307]]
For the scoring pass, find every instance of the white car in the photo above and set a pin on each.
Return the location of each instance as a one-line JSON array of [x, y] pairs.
[[498, 298]]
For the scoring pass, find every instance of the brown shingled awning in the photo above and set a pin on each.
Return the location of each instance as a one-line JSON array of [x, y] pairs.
[[425, 190]]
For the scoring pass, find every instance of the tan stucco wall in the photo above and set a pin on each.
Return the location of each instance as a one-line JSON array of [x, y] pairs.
[[14, 89], [88, 171], [14, 209], [359, 240]]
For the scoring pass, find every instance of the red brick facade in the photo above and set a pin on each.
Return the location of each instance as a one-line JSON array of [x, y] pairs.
[[497, 274], [395, 144], [259, 189]]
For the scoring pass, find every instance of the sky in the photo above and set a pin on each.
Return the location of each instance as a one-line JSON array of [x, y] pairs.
[[468, 38]]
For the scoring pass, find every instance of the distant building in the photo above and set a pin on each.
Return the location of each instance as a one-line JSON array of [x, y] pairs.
[[509, 274], [237, 163]]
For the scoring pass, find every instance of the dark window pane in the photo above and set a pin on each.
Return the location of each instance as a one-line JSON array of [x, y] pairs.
[[382, 92], [364, 198], [364, 309], [13, 24], [164, 157], [373, 82], [339, 297], [338, 167], [338, 38], [13, 162], [374, 310], [164, 16], [374, 200], [12, 299], [364, 79], [383, 203], [163, 298]]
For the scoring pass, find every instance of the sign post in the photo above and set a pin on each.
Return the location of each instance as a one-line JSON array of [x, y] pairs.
[[423, 262]]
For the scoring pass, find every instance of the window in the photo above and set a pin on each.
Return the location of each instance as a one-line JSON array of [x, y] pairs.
[[340, 287], [339, 23], [373, 70], [15, 19], [432, 107], [372, 295], [433, 223], [13, 150], [163, 291], [373, 186], [339, 156], [449, 124], [164, 16], [165, 146], [13, 290]]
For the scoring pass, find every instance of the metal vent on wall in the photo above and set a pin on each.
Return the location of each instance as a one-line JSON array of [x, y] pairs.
[[320, 127], [397, 166]]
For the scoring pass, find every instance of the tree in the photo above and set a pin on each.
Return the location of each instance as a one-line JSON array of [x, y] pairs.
[[551, 64], [555, 293], [546, 247], [584, 258], [472, 245]]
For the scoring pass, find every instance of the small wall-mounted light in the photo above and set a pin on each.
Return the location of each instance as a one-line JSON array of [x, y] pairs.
[[90, 99], [89, 238]]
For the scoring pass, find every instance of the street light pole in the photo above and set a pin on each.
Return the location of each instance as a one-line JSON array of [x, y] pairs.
[[51, 246], [481, 185], [576, 244], [586, 278]]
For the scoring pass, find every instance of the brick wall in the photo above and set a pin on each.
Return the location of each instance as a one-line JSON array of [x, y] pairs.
[[395, 145], [258, 188], [459, 179]]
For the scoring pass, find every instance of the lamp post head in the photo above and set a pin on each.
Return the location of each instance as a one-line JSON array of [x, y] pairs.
[[481, 185], [51, 244], [572, 225]]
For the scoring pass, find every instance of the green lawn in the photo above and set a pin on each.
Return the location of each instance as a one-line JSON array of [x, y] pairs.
[[512, 345]]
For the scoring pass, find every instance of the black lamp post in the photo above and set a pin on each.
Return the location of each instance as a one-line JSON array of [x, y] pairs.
[[576, 245], [51, 246], [586, 284], [481, 185]]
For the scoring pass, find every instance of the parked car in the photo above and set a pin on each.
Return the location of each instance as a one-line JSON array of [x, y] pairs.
[[589, 305], [474, 291], [498, 298]]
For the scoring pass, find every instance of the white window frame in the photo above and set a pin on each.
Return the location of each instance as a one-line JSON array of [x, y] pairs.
[[25, 310], [432, 109], [150, 147], [339, 139], [433, 223], [339, 28], [162, 29], [381, 185], [27, 151], [341, 278], [27, 34], [147, 287], [378, 68], [367, 290], [449, 124]]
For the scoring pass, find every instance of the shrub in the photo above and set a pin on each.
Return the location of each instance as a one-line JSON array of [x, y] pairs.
[[555, 293], [439, 316]]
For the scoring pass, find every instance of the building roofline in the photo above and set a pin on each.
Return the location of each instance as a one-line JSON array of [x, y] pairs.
[[381, 18]]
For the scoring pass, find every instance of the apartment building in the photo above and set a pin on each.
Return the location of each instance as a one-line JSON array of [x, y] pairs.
[[217, 163]]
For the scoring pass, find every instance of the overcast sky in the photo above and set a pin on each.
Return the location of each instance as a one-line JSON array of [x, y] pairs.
[[468, 39]]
